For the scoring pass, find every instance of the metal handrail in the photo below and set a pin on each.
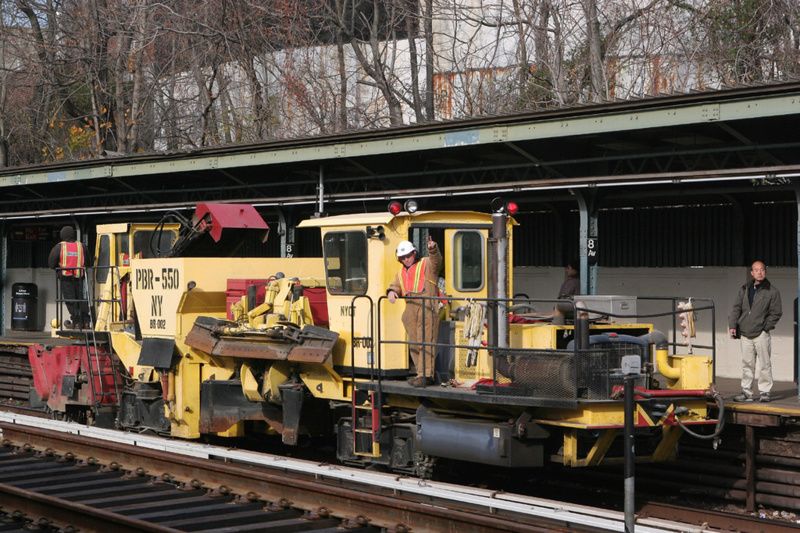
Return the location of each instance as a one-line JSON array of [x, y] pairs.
[[497, 350], [90, 335]]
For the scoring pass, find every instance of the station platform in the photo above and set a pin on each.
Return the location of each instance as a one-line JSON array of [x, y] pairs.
[[25, 337], [12, 339], [783, 409]]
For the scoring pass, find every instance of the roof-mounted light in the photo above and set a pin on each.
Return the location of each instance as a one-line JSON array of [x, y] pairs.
[[395, 207], [499, 205], [411, 206]]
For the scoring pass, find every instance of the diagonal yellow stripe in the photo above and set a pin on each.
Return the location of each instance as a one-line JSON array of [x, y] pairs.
[[642, 413]]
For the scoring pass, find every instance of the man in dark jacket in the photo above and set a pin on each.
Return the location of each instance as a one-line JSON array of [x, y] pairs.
[[69, 257], [568, 289], [756, 311]]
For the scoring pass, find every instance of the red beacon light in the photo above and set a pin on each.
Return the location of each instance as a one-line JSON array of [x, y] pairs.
[[500, 206], [395, 207]]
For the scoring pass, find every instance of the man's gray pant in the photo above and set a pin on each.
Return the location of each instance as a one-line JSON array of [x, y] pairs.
[[752, 349]]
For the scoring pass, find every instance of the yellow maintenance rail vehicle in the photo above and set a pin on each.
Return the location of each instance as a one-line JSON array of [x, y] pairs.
[[298, 347]]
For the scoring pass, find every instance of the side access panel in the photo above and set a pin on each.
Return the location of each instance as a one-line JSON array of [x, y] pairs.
[[71, 375]]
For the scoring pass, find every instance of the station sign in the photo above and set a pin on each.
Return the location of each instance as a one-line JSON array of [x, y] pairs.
[[592, 250]]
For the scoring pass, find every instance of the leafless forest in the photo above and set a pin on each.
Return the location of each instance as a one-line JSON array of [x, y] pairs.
[[97, 78]]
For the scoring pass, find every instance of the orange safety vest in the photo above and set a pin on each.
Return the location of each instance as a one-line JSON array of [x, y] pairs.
[[412, 279], [71, 257]]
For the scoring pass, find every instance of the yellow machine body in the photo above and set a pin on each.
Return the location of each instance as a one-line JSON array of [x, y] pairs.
[[169, 297], [466, 232], [171, 293]]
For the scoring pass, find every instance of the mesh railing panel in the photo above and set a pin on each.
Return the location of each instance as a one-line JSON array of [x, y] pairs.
[[562, 374], [600, 369], [549, 374]]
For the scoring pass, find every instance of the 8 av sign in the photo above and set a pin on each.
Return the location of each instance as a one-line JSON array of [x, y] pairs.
[[591, 250]]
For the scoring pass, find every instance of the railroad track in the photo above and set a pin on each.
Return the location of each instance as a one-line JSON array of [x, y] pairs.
[[16, 376], [352, 518], [62, 492], [123, 474], [714, 520]]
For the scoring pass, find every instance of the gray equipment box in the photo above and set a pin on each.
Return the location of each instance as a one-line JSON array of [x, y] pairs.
[[603, 305]]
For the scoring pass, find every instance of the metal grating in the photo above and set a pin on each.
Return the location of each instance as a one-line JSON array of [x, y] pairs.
[[689, 235], [546, 374], [564, 374], [600, 369], [545, 238], [773, 239], [28, 254]]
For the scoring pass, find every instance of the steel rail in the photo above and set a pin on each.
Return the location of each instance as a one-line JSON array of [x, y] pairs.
[[715, 519], [385, 500], [304, 492]]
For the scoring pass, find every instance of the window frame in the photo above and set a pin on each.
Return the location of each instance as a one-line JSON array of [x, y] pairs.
[[132, 243], [103, 266], [457, 253], [343, 290]]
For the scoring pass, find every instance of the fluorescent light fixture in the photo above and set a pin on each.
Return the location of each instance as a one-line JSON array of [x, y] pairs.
[[642, 182], [364, 199], [481, 191], [721, 178], [554, 187], [423, 195], [90, 213]]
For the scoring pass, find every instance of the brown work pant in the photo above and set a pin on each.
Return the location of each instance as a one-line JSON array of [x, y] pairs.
[[423, 356]]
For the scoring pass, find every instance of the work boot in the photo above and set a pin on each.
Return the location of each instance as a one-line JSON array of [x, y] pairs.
[[420, 381], [745, 396], [764, 398]]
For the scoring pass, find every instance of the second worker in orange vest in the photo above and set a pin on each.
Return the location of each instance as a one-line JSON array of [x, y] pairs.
[[418, 277], [67, 254]]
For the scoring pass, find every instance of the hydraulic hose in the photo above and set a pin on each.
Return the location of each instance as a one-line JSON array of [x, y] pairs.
[[720, 419]]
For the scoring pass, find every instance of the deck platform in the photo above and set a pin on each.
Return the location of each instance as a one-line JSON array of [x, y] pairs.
[[26, 338], [466, 394], [783, 409]]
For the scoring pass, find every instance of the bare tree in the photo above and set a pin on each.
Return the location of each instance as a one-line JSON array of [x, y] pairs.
[[82, 78]]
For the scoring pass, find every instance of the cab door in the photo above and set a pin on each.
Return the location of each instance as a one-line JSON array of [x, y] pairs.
[[465, 269], [106, 279]]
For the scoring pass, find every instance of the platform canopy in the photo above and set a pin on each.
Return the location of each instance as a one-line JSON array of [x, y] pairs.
[[642, 152]]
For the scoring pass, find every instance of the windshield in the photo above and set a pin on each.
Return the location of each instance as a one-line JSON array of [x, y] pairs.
[[346, 262], [161, 240]]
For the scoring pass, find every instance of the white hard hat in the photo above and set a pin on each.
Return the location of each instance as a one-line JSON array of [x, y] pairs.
[[405, 248]]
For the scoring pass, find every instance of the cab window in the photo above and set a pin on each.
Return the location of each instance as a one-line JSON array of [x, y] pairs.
[[468, 252], [345, 255], [103, 259], [147, 242], [123, 249]]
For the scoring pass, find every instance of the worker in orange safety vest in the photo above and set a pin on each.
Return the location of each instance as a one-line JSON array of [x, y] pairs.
[[68, 257], [418, 276]]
